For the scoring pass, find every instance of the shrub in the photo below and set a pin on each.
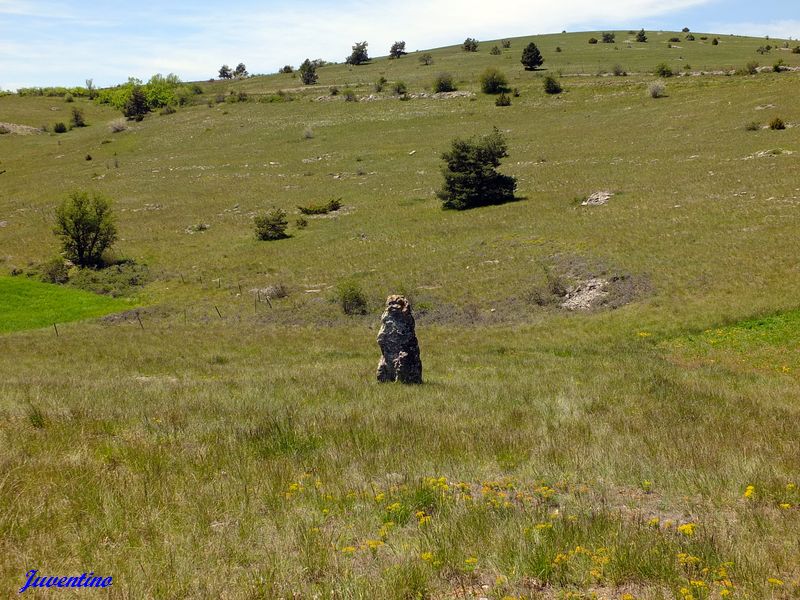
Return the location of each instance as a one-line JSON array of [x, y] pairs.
[[551, 85], [558, 48], [54, 270], [664, 70], [350, 95], [751, 68], [5, 130], [515, 92], [656, 89], [168, 110], [531, 57], [399, 88], [333, 91], [715, 42], [470, 45], [674, 40], [752, 126], [503, 100], [397, 50], [382, 81], [686, 30], [641, 37], [308, 133], [592, 40], [493, 81], [322, 209], [118, 125], [68, 98], [136, 106], [359, 54], [60, 127], [495, 51], [86, 228], [777, 123], [704, 37], [690, 38], [287, 69], [426, 59], [308, 73], [470, 173], [351, 298], [506, 44], [122, 278], [444, 83], [779, 66], [796, 50], [608, 38], [618, 71], [301, 222], [272, 225]]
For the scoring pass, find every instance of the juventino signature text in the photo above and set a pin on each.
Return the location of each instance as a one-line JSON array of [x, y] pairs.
[[84, 581]]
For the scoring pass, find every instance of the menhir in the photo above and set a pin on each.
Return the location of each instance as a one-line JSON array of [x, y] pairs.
[[398, 342]]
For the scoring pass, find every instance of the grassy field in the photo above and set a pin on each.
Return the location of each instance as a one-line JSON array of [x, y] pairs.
[[233, 448]]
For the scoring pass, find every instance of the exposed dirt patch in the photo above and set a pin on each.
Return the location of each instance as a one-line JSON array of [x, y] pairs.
[[19, 129], [598, 199]]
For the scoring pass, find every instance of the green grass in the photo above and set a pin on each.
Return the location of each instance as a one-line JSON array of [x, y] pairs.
[[249, 452], [27, 304]]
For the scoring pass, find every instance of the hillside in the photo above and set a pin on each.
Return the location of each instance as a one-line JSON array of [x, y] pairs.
[[229, 431]]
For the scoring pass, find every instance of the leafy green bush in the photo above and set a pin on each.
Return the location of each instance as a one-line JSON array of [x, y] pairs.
[[608, 38], [470, 173], [493, 81], [60, 127], [120, 279], [54, 270], [350, 95], [552, 86], [399, 88], [444, 83], [506, 44], [382, 81], [495, 51], [272, 225], [715, 42], [752, 126], [322, 209], [618, 71], [351, 298], [664, 70], [77, 119], [86, 228], [470, 45]]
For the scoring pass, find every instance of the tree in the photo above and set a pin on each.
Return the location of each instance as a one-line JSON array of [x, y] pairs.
[[470, 45], [136, 106], [240, 71], [225, 72], [91, 89], [426, 59], [608, 38], [641, 36], [271, 226], [493, 81], [397, 50], [551, 85], [287, 69], [531, 57], [470, 173], [359, 55], [308, 72], [86, 227]]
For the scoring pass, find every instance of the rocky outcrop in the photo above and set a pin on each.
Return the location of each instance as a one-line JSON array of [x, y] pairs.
[[400, 360]]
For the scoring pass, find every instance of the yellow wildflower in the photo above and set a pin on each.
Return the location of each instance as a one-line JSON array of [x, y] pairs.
[[748, 493], [687, 529], [785, 506], [379, 497], [349, 550], [426, 556], [471, 561], [775, 581], [654, 522]]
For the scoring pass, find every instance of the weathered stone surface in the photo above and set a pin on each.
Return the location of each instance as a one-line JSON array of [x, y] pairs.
[[400, 360]]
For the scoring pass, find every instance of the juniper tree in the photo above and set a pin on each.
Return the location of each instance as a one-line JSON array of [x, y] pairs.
[[531, 57]]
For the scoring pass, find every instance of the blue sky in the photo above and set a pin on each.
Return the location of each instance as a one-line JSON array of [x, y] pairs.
[[57, 42]]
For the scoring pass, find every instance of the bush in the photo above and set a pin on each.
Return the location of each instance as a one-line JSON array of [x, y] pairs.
[[333, 91], [503, 100], [779, 66], [663, 70], [60, 128], [359, 54], [715, 42], [656, 89], [685, 30], [301, 222], [796, 50], [493, 81], [350, 95], [272, 225], [531, 57], [288, 69], [690, 38], [120, 279], [751, 68], [618, 71], [552, 86], [777, 123], [54, 271], [495, 51], [351, 298], [137, 106], [674, 40], [308, 73], [470, 173], [470, 45], [86, 228], [399, 88], [752, 126], [592, 40], [382, 81], [444, 83], [168, 110], [608, 38], [68, 98], [558, 48], [506, 44], [426, 59], [321, 209], [118, 125], [641, 37], [5, 130], [397, 50]]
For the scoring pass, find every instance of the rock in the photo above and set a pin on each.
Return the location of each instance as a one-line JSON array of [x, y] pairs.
[[597, 199], [584, 295], [397, 338]]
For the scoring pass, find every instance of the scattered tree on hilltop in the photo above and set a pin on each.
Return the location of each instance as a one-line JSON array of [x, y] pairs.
[[397, 50], [359, 55], [287, 69], [531, 57], [470, 173], [608, 38], [641, 36], [308, 72], [241, 71], [470, 45], [225, 72], [86, 228]]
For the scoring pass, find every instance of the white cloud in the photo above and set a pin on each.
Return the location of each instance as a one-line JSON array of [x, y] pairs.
[[788, 28], [193, 45]]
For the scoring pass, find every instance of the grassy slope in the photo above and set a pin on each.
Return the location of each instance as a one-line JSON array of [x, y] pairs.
[[191, 439], [26, 304]]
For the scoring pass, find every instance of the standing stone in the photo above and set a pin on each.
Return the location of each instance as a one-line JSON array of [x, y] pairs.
[[398, 342]]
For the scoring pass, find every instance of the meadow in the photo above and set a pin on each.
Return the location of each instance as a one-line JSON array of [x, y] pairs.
[[222, 445]]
